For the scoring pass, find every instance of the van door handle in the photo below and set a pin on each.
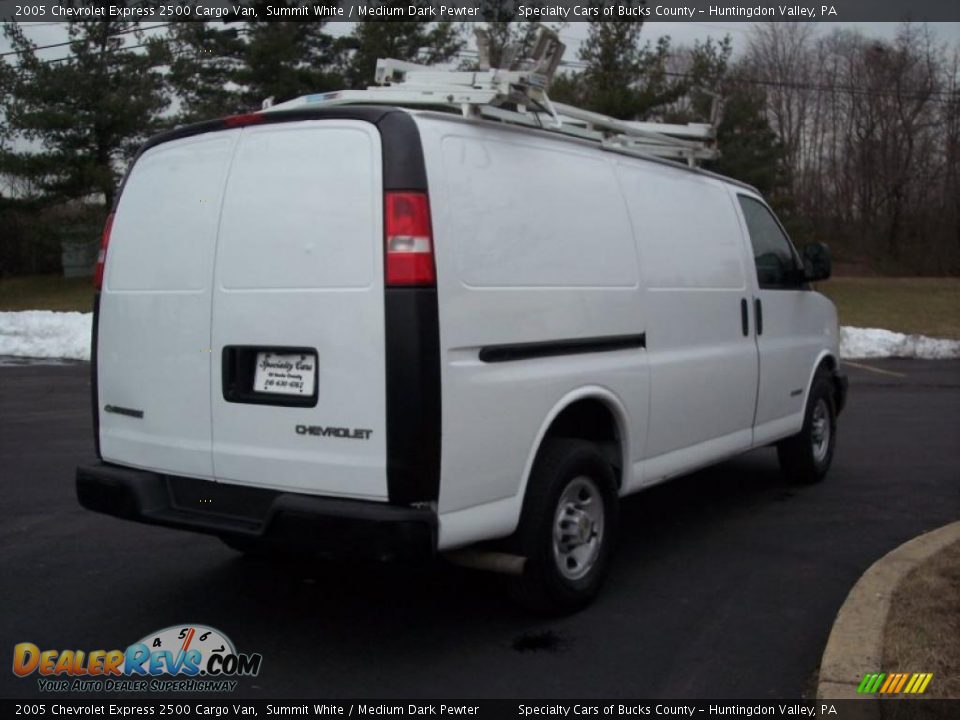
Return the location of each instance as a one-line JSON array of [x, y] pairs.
[[758, 308], [744, 317]]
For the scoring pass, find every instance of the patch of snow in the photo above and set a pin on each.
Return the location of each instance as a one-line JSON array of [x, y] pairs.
[[876, 343], [46, 334]]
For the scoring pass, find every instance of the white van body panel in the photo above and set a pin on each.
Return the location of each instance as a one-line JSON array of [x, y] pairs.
[[287, 251], [799, 330], [689, 399], [499, 518], [703, 369], [522, 272], [299, 263], [160, 266]]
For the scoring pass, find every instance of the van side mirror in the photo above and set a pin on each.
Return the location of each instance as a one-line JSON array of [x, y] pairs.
[[817, 264]]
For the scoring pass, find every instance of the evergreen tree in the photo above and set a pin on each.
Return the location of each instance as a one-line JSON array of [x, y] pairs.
[[219, 70], [621, 76], [424, 42], [204, 60], [749, 148], [613, 57], [284, 60], [6, 90], [506, 31], [84, 116], [568, 87], [709, 63], [657, 87]]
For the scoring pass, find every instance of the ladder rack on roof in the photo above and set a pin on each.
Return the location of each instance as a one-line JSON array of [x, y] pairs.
[[519, 97]]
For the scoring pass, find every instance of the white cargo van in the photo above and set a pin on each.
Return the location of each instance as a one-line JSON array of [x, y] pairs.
[[407, 332]]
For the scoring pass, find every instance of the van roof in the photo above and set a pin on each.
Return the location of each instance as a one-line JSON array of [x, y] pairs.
[[545, 131], [376, 113]]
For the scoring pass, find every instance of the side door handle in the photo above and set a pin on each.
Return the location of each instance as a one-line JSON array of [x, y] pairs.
[[758, 309], [744, 317]]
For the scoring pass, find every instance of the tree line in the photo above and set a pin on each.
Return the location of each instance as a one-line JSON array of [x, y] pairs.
[[853, 139]]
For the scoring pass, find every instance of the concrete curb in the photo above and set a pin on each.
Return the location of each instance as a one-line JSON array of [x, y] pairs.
[[855, 647]]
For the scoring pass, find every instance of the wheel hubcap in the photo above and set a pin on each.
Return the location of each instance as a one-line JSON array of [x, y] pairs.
[[820, 431], [578, 528]]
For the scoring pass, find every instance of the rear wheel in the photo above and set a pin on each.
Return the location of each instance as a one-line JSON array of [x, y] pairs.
[[805, 457], [567, 528]]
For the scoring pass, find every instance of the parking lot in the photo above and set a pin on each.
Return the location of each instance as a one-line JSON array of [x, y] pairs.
[[725, 583]]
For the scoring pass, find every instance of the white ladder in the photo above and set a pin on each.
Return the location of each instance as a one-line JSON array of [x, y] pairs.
[[519, 97]]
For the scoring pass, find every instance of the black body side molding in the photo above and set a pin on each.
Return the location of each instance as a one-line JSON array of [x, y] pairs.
[[551, 348]]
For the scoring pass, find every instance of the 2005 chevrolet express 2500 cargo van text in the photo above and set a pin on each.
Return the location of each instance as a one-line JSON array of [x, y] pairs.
[[406, 331]]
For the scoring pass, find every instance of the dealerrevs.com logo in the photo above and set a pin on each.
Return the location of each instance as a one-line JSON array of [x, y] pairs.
[[180, 658]]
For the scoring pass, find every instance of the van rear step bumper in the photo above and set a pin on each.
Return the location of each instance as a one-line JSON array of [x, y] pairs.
[[256, 516]]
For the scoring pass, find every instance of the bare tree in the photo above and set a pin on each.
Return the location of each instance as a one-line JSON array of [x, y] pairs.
[[869, 132]]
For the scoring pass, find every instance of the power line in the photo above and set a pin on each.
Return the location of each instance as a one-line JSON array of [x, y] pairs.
[[797, 85], [70, 42], [935, 95], [167, 41]]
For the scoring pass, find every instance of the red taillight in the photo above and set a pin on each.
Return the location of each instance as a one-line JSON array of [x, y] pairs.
[[240, 120], [409, 241], [102, 257]]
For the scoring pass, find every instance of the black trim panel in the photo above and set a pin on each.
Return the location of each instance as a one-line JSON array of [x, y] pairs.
[[374, 114], [413, 394], [302, 522], [403, 167], [94, 377], [552, 348], [412, 328]]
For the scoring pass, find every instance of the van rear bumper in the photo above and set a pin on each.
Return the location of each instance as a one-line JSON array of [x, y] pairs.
[[259, 516]]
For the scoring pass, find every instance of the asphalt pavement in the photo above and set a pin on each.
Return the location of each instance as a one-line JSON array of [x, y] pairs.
[[725, 583]]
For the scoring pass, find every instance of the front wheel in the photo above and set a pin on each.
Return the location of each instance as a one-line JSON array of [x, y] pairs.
[[805, 457], [567, 527]]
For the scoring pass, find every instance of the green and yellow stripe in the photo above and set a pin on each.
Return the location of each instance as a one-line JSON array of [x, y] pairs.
[[895, 683]]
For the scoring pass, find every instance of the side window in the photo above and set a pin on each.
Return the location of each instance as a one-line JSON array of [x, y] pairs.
[[773, 254]]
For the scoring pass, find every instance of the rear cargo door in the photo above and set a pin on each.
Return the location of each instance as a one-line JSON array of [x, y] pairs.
[[298, 387], [154, 352]]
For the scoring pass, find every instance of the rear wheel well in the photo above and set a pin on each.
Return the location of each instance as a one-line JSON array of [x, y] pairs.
[[592, 420]]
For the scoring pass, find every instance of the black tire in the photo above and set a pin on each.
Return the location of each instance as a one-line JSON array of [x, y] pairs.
[[562, 466], [803, 459]]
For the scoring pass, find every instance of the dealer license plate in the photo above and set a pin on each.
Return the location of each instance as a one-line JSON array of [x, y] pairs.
[[285, 373]]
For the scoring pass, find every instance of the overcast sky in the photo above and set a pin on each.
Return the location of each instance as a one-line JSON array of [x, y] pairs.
[[686, 32], [572, 34]]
